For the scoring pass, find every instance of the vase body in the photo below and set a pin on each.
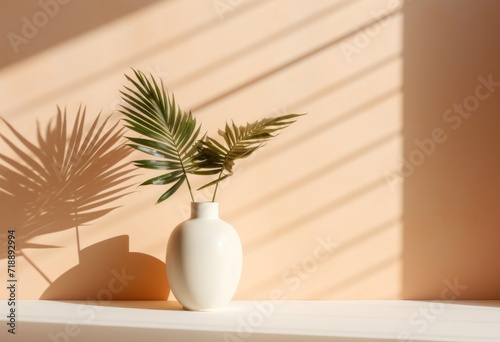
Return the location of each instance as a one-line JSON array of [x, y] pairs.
[[204, 259]]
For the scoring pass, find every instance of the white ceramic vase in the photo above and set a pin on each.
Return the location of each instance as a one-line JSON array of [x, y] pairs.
[[204, 259]]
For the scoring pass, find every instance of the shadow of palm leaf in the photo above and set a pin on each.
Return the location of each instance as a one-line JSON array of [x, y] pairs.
[[68, 178]]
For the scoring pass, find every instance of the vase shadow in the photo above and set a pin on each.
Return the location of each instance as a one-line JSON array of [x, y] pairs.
[[108, 271]]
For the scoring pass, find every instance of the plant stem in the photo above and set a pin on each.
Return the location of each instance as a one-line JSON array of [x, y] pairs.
[[216, 186], [215, 192], [189, 187], [185, 173]]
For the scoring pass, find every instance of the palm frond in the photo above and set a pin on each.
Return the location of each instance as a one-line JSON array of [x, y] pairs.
[[166, 132], [239, 142]]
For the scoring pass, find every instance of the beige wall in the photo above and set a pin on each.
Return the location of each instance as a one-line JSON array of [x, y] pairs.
[[372, 82], [451, 83]]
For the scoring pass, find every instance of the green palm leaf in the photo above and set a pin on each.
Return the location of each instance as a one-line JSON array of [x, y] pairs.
[[166, 132], [240, 142]]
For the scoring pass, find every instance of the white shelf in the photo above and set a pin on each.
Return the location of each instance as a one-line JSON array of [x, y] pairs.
[[349, 321]]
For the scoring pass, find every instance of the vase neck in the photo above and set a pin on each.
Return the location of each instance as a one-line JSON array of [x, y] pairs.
[[204, 210]]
